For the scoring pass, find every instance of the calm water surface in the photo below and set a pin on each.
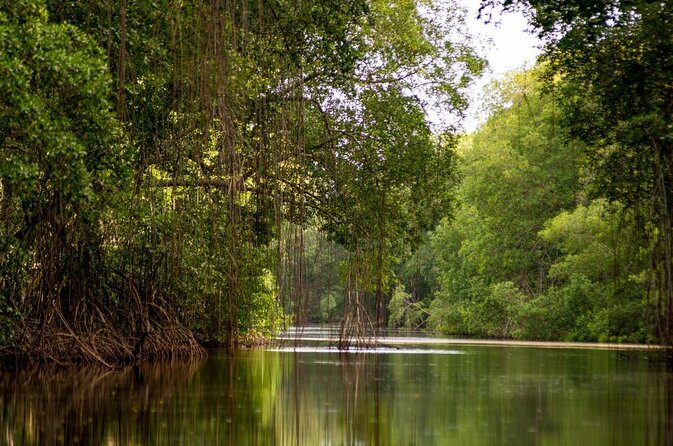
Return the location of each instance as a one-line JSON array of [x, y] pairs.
[[463, 395]]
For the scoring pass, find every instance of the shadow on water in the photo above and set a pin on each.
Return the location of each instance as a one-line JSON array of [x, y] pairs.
[[471, 396]]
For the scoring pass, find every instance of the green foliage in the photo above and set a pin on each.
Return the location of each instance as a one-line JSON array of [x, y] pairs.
[[154, 155], [403, 311], [615, 60], [516, 174], [386, 178], [600, 273], [60, 156], [261, 313], [322, 284], [521, 259], [49, 145]]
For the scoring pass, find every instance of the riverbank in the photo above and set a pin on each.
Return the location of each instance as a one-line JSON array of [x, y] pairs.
[[406, 341]]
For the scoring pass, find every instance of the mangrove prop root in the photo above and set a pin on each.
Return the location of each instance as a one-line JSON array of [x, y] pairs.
[[110, 338]]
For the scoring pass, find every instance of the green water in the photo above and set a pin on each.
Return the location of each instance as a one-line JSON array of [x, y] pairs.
[[463, 396]]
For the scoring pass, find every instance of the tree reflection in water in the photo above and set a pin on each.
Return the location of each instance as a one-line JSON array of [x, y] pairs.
[[483, 395]]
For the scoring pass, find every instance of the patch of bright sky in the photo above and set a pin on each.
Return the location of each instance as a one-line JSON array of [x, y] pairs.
[[507, 46]]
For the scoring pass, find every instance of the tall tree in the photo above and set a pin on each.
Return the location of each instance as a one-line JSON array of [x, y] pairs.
[[63, 166], [237, 122], [517, 172], [616, 57]]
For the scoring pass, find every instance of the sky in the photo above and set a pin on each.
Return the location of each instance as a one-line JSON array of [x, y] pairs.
[[508, 47]]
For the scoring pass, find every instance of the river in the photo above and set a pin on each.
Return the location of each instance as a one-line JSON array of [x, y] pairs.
[[424, 394]]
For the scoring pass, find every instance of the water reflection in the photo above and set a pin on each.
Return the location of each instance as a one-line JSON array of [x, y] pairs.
[[48, 406], [484, 395]]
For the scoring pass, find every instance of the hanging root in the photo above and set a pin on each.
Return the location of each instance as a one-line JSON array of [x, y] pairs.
[[357, 331]]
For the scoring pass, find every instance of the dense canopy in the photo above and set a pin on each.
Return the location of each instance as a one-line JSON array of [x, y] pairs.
[[161, 160]]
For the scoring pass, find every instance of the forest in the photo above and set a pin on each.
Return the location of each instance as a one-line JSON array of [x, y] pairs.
[[179, 174]]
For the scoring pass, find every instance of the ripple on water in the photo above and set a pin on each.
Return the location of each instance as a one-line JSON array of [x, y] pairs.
[[371, 351]]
